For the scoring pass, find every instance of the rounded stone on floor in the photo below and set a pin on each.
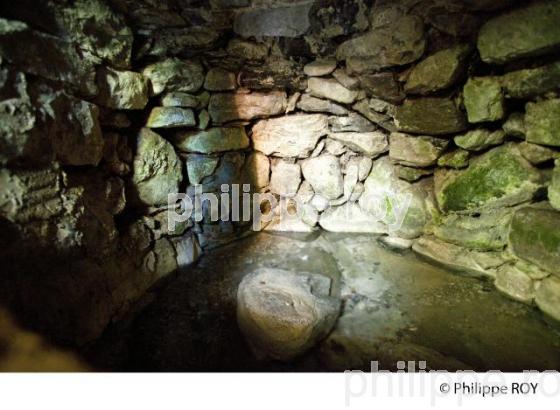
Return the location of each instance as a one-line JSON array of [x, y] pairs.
[[282, 314]]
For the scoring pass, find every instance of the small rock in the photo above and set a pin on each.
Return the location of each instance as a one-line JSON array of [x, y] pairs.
[[515, 283], [225, 107], [515, 125], [483, 99], [257, 170], [537, 154], [122, 90], [439, 71], [415, 151], [547, 297], [170, 117], [351, 123], [369, 143], [479, 139], [325, 175], [212, 140], [383, 120], [542, 122], [350, 218], [175, 75], [291, 21], [178, 99], [455, 159], [285, 178], [334, 147], [432, 116], [396, 243], [331, 89], [312, 104], [412, 174], [199, 167], [383, 86], [349, 82], [218, 79], [529, 83], [203, 120], [319, 68], [247, 49], [289, 136]]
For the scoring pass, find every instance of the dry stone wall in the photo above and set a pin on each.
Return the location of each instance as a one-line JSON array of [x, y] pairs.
[[446, 112]]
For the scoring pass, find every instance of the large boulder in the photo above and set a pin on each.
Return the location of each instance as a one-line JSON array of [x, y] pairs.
[[324, 174], [431, 116], [175, 75], [212, 140], [500, 177], [282, 314], [157, 169], [542, 122], [225, 107], [289, 136], [535, 236], [525, 32], [438, 71]]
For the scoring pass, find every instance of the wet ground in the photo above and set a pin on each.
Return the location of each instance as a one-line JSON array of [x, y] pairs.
[[396, 307]]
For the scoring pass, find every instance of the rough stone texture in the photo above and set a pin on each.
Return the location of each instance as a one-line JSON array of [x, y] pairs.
[[554, 187], [122, 90], [535, 236], [547, 297], [529, 31], [415, 151], [435, 116], [175, 75], [383, 86], [479, 139], [515, 283], [275, 73], [285, 178], [542, 122], [238, 106], [369, 143], [395, 43], [170, 117], [350, 218], [537, 154], [412, 174], [484, 100], [486, 232], [438, 71], [156, 168], [217, 139], [500, 177], [319, 68], [257, 170], [459, 259], [179, 99], [46, 56], [455, 159], [351, 123], [247, 49], [531, 82], [282, 314], [324, 174], [289, 136], [397, 204], [515, 125], [199, 167], [312, 104], [218, 79], [332, 90], [383, 120], [290, 21]]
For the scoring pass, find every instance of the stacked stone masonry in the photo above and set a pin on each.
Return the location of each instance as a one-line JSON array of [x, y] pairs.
[[451, 108]]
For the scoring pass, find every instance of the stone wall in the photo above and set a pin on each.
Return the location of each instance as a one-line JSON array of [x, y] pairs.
[[448, 107]]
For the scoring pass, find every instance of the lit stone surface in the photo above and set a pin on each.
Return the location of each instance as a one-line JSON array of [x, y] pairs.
[[212, 140]]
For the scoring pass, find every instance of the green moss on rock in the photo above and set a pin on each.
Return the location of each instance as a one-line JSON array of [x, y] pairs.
[[500, 177], [535, 236], [542, 122], [483, 99]]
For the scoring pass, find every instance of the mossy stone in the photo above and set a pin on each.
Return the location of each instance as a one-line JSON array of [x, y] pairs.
[[212, 140], [500, 177], [432, 116], [542, 122], [535, 236], [483, 99], [455, 159]]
